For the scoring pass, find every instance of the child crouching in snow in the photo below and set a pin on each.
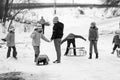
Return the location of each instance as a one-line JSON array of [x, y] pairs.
[[116, 41], [36, 36]]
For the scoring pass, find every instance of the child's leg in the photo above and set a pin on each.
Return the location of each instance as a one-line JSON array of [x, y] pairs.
[[114, 48], [95, 48], [67, 49], [14, 52], [74, 46], [37, 51], [8, 52], [90, 49]]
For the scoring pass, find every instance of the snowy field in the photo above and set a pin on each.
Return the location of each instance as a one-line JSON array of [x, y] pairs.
[[107, 67]]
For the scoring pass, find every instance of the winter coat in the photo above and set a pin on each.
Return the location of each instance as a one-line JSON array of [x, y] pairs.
[[93, 34], [72, 36], [57, 30], [116, 40], [42, 21], [36, 36], [10, 39]]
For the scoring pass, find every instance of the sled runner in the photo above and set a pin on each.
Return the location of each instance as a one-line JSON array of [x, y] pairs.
[[42, 59], [80, 51]]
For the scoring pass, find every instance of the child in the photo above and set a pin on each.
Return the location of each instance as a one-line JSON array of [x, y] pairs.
[[36, 36], [71, 39], [93, 38], [116, 41], [10, 39]]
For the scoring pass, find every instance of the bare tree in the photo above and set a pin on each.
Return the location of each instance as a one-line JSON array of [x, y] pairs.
[[115, 11], [13, 13]]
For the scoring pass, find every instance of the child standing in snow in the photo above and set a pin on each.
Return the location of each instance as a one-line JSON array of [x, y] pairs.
[[10, 39], [93, 38], [36, 36], [116, 41]]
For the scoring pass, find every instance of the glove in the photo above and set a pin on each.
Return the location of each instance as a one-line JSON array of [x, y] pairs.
[[3, 39]]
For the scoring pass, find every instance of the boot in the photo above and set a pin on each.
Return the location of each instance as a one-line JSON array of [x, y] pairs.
[[112, 52], [90, 57], [96, 56]]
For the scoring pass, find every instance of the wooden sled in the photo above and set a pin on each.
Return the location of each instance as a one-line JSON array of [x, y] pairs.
[[80, 51]]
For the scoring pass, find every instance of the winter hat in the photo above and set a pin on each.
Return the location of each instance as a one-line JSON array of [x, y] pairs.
[[117, 32], [11, 28], [93, 23], [55, 19], [38, 28]]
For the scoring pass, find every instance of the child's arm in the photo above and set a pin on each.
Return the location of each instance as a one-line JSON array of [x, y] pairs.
[[78, 36], [32, 35], [8, 38], [65, 39], [44, 38], [114, 39], [97, 35]]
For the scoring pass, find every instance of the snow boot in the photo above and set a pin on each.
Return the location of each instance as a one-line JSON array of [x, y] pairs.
[[112, 52], [90, 57], [96, 56], [56, 61]]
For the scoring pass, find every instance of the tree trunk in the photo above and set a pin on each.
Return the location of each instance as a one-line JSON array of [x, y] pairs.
[[2, 5], [6, 11]]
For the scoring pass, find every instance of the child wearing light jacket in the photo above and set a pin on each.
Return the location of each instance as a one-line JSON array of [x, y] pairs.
[[36, 36], [10, 39]]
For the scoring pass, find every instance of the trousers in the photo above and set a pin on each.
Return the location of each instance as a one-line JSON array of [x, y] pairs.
[[93, 43], [57, 44], [69, 42], [14, 51], [37, 51]]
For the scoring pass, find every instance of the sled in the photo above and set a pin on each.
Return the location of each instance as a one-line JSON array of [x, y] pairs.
[[80, 51], [42, 60]]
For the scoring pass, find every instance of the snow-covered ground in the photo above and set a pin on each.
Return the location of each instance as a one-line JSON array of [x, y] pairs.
[[70, 68]]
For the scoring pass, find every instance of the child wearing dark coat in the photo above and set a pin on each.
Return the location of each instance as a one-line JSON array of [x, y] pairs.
[[93, 38], [116, 41], [71, 39]]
